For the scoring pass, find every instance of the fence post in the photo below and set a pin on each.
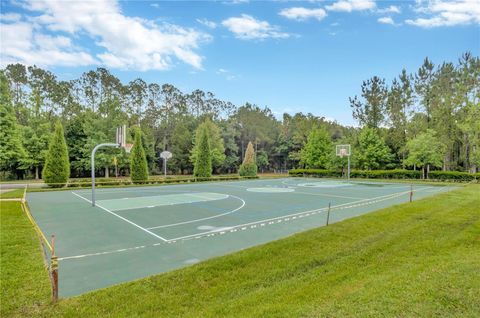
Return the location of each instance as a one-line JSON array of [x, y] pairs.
[[54, 272], [411, 193], [328, 213]]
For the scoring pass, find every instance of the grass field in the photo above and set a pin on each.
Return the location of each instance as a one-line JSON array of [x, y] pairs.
[[418, 259]]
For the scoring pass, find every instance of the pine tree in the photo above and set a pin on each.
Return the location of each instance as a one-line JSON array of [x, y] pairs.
[[203, 164], [138, 160], [57, 166], [217, 147], [248, 167]]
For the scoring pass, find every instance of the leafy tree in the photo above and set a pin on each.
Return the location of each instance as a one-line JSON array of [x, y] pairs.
[[35, 141], [138, 160], [203, 163], [317, 151], [12, 153], [262, 160], [424, 151], [216, 143], [372, 151], [248, 167], [371, 111], [57, 166]]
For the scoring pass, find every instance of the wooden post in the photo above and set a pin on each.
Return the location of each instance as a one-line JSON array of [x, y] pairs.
[[411, 192], [328, 213], [54, 272]]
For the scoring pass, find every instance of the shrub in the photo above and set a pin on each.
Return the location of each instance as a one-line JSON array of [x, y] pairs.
[[138, 160], [248, 168], [203, 163], [451, 176], [57, 166]]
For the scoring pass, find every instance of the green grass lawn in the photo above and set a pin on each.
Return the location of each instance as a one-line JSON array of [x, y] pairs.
[[420, 259], [13, 194]]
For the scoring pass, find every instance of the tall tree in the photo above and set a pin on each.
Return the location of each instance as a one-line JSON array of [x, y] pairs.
[[203, 162], [371, 111], [12, 153], [215, 140], [57, 166], [372, 152], [424, 151], [138, 160], [423, 87], [317, 151]]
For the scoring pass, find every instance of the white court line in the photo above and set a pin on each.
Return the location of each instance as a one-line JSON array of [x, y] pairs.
[[202, 219], [121, 217], [328, 195], [374, 200], [245, 226]]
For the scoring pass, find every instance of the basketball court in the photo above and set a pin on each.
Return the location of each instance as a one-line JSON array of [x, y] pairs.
[[135, 232]]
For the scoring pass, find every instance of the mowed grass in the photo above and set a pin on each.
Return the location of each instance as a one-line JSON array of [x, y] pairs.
[[13, 194], [420, 259]]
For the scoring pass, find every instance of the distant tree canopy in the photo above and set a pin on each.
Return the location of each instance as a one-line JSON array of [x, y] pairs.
[[443, 99]]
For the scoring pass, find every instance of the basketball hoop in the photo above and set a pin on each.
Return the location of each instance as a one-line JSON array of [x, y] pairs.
[[343, 152], [128, 147]]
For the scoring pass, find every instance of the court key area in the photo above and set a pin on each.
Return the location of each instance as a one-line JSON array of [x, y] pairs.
[[136, 232]]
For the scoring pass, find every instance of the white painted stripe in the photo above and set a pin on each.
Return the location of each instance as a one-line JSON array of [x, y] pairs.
[[122, 218], [202, 219]]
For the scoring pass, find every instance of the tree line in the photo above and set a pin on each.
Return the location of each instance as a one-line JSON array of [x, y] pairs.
[[428, 118]]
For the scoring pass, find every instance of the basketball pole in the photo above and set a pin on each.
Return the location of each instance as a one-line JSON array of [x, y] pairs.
[[348, 169], [93, 165]]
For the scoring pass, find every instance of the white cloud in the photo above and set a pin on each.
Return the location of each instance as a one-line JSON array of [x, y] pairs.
[[300, 13], [10, 17], [351, 5], [390, 9], [247, 27], [386, 20], [124, 42], [207, 23], [21, 44], [447, 13], [155, 5]]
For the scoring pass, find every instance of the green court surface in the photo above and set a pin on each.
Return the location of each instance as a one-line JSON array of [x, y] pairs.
[[141, 231]]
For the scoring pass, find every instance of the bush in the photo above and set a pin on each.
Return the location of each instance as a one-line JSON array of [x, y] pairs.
[[203, 164], [138, 160], [452, 176], [248, 168], [390, 174], [57, 166]]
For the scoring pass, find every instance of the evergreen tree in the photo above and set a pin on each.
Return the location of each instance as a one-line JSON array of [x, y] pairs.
[[373, 153], [217, 148], [12, 153], [138, 160], [57, 166], [424, 151], [203, 163], [318, 149], [248, 167], [371, 111]]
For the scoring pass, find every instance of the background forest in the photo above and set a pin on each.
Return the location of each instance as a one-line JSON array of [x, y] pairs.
[[428, 117]]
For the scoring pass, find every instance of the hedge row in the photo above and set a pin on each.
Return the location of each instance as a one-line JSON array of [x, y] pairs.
[[126, 181], [390, 174]]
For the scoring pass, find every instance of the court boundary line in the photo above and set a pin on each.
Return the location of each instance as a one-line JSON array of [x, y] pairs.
[[123, 218], [244, 227], [336, 207], [169, 204], [202, 219]]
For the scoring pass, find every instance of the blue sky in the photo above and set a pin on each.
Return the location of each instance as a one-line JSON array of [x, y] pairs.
[[288, 55]]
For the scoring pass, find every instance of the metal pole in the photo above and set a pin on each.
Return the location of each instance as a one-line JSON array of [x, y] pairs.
[[93, 165], [348, 172], [328, 213], [165, 166]]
